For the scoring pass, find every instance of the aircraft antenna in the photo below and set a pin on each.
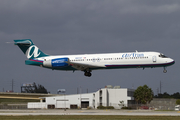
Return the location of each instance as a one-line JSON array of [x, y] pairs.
[[9, 42]]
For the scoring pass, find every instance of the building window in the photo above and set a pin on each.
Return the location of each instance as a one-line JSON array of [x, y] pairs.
[[130, 93]]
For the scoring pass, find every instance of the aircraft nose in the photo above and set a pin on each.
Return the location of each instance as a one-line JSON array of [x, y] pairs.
[[172, 61]]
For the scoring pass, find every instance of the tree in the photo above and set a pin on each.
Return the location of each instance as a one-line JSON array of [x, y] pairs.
[[166, 95], [36, 89], [176, 95], [121, 104], [143, 94], [178, 102]]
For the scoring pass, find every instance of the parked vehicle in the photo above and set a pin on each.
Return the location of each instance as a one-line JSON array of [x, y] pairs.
[[144, 107], [177, 107]]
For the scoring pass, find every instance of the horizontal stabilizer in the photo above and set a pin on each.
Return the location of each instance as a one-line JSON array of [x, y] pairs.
[[26, 43]]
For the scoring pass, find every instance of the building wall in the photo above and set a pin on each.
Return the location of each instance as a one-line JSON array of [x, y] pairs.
[[112, 97], [67, 100], [117, 95], [103, 97], [37, 105]]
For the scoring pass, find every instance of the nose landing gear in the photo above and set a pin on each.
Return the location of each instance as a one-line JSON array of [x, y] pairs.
[[165, 71]]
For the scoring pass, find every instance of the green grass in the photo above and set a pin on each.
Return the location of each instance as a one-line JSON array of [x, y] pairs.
[[165, 110], [89, 117], [7, 100]]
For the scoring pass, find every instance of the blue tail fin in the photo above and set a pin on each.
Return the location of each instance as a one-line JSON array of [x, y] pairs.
[[29, 49]]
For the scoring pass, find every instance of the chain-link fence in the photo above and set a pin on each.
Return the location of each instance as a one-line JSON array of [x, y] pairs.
[[9, 106], [156, 104], [163, 104]]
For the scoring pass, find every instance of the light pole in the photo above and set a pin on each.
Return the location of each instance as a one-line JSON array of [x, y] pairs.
[[80, 97], [65, 101]]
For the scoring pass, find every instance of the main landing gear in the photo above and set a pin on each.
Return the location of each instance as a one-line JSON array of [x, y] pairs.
[[87, 73], [164, 71]]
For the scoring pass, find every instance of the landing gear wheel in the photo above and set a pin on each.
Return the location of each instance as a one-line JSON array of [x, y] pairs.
[[165, 71], [88, 74]]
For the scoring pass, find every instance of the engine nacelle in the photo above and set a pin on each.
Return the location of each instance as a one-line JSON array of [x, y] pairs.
[[58, 62]]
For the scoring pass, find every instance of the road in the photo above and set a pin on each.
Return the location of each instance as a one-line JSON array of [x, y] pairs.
[[90, 112]]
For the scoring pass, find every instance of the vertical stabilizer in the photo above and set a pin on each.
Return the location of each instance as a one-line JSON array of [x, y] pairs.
[[29, 49]]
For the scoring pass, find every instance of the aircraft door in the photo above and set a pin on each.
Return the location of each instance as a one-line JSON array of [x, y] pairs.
[[154, 58]]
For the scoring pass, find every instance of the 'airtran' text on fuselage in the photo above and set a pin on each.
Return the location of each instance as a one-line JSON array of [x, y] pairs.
[[133, 55]]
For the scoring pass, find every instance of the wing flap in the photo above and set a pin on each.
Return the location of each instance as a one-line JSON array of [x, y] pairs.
[[82, 66]]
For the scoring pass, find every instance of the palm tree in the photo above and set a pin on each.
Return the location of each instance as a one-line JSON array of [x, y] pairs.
[[143, 94]]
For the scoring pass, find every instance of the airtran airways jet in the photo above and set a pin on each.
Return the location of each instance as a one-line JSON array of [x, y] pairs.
[[89, 62]]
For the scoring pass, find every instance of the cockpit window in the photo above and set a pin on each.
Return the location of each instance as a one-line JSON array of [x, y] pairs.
[[162, 56]]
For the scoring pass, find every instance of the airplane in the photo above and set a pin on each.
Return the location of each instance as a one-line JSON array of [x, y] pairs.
[[89, 62]]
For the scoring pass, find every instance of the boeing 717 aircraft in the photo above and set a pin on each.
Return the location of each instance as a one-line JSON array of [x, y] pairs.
[[89, 62]]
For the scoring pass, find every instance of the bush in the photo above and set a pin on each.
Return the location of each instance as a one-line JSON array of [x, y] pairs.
[[126, 108], [109, 107], [103, 107], [89, 108], [100, 107], [5, 104]]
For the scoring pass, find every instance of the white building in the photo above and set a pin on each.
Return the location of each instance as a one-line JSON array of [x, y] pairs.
[[104, 97]]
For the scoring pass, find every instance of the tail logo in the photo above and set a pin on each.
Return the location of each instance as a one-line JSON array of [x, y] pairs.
[[32, 50]]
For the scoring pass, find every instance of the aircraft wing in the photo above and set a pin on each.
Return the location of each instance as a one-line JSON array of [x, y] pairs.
[[82, 67]]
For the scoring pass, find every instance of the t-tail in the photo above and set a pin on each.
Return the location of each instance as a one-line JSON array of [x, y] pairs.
[[30, 50]]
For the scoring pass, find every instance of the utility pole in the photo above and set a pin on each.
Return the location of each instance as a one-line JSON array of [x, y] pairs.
[[80, 97], [160, 87], [157, 91], [12, 85], [133, 86]]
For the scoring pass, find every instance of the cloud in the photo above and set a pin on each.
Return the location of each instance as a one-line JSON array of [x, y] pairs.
[[151, 9], [83, 26]]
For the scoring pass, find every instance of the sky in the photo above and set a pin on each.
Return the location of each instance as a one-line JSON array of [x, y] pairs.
[[63, 27]]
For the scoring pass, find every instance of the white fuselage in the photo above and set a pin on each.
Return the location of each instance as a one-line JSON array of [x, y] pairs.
[[115, 60], [89, 62]]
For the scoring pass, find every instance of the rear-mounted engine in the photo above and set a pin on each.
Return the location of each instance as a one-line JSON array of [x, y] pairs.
[[59, 62]]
